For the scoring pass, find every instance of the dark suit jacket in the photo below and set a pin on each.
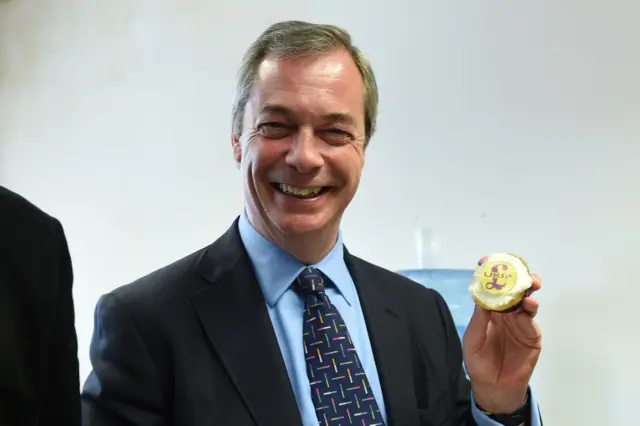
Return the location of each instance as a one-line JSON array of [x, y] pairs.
[[39, 383], [192, 345]]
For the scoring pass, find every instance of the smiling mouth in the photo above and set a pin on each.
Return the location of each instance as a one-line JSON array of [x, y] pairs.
[[298, 192]]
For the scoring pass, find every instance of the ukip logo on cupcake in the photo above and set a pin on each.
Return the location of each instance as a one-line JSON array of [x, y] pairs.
[[498, 277]]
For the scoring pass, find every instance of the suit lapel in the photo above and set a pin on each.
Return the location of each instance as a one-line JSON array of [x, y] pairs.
[[389, 336], [233, 313]]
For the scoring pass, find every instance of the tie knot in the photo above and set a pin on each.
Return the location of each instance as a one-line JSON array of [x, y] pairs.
[[310, 282]]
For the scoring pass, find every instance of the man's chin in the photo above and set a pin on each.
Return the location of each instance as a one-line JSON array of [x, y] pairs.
[[301, 224]]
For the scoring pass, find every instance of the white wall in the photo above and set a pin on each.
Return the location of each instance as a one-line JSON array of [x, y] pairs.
[[504, 126]]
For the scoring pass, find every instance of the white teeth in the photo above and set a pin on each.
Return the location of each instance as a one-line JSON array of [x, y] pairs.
[[301, 192]]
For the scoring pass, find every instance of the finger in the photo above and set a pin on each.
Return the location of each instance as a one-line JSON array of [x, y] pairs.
[[528, 331], [476, 333], [530, 306], [537, 283], [481, 261]]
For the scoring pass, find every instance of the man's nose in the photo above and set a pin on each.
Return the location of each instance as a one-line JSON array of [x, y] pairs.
[[304, 153]]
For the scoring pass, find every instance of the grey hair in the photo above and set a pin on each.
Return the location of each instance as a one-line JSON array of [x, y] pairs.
[[289, 39]]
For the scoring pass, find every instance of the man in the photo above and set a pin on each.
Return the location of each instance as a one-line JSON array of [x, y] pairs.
[[276, 323], [39, 383]]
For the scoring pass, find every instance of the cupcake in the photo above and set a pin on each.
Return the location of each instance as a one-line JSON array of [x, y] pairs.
[[501, 282]]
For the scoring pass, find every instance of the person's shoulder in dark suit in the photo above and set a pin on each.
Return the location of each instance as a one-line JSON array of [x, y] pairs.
[[39, 378]]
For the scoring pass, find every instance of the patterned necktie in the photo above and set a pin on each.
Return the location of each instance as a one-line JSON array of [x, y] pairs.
[[339, 386]]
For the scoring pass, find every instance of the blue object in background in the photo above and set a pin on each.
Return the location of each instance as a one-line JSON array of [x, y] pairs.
[[453, 285]]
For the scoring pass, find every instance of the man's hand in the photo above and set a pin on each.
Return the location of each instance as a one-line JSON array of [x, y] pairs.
[[500, 352]]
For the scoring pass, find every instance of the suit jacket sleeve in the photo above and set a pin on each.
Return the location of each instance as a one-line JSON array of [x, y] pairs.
[[123, 389], [62, 388]]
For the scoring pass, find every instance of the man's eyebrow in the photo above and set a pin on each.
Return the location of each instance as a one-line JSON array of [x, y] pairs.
[[277, 109], [334, 117], [340, 117]]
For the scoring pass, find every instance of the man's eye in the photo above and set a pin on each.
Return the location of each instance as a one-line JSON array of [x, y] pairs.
[[272, 125], [273, 130], [338, 133]]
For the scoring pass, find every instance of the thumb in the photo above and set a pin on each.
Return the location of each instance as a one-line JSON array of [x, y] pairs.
[[476, 333]]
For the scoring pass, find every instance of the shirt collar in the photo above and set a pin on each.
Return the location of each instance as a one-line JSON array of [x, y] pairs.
[[276, 269]]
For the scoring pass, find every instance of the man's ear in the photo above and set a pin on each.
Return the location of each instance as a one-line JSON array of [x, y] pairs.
[[236, 148]]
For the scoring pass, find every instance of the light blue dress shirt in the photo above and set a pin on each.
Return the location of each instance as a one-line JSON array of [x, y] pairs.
[[276, 270]]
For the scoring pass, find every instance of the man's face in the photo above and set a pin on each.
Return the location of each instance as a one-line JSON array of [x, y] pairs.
[[302, 145]]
